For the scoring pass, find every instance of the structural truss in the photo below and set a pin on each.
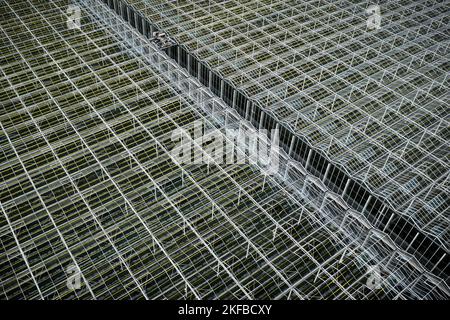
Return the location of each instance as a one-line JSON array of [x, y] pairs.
[[90, 190]]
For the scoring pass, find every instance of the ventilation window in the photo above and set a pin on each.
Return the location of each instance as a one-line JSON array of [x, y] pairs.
[[215, 84], [204, 75]]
